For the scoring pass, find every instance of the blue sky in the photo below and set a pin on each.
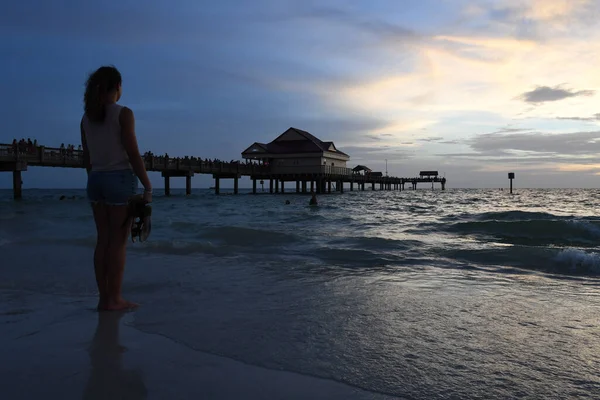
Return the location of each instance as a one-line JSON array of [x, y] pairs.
[[473, 89]]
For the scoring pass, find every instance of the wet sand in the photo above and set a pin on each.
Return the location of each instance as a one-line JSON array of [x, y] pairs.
[[56, 347]]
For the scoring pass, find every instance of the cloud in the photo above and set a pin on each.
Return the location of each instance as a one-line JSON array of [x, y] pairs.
[[452, 142], [510, 130], [575, 143], [566, 152], [540, 159], [431, 139], [346, 17], [545, 93], [595, 117], [536, 19]]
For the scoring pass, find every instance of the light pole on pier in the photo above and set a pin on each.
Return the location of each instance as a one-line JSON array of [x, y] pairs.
[[386, 174]]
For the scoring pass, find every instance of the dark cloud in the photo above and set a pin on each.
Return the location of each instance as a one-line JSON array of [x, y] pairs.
[[483, 159], [531, 148], [576, 143], [543, 94], [343, 16], [450, 142], [378, 136], [510, 130], [375, 26], [431, 139], [595, 117]]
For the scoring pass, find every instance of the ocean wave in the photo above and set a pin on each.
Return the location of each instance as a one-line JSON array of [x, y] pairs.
[[375, 243], [213, 240], [179, 247], [244, 236], [153, 245], [354, 257], [514, 215], [565, 261], [533, 232], [185, 226]]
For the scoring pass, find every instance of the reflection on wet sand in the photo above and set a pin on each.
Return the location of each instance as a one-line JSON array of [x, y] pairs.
[[108, 379]]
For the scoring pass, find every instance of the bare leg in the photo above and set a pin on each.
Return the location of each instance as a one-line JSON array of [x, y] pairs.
[[115, 256], [101, 220]]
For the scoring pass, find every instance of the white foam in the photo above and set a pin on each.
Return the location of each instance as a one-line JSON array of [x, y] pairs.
[[578, 260]]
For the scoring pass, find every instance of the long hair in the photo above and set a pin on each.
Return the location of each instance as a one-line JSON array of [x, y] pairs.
[[98, 84]]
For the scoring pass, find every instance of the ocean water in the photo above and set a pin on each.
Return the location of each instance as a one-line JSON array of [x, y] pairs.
[[416, 294]]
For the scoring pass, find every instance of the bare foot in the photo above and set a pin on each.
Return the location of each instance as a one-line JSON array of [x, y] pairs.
[[120, 305]]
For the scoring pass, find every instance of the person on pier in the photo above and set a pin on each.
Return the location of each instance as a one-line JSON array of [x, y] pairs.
[[114, 164]]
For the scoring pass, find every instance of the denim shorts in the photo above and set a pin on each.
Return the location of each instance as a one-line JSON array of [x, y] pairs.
[[111, 187]]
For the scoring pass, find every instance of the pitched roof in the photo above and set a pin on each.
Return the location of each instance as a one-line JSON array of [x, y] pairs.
[[310, 144]]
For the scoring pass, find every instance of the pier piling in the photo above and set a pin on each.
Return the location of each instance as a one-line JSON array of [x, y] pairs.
[[167, 185], [188, 185], [17, 185]]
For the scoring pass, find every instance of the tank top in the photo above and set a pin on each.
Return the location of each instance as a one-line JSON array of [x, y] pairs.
[[106, 149]]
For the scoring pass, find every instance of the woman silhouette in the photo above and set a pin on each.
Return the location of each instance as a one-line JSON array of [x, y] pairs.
[[114, 164]]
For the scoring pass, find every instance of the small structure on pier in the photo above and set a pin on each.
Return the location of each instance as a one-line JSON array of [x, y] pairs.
[[428, 174], [361, 168]]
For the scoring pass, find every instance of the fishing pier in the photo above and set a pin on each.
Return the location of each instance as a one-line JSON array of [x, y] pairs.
[[295, 157]]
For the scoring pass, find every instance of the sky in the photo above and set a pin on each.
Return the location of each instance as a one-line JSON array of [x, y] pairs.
[[473, 89]]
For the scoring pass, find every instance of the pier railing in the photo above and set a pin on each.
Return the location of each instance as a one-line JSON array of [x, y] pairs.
[[63, 157], [70, 158], [311, 169]]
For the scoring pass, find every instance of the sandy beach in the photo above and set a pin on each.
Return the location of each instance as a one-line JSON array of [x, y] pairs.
[[59, 348]]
